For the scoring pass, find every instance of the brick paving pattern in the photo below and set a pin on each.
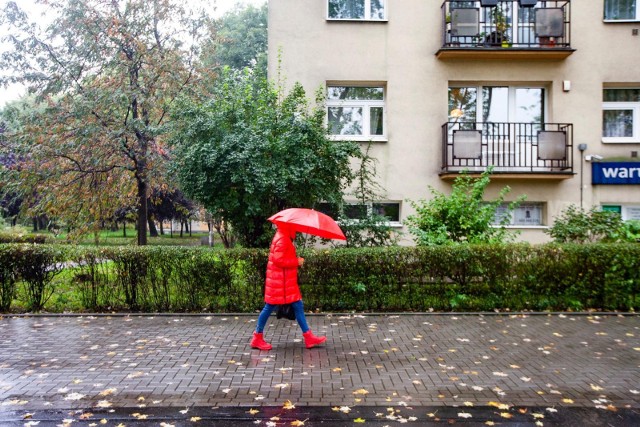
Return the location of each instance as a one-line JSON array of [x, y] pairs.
[[548, 361]]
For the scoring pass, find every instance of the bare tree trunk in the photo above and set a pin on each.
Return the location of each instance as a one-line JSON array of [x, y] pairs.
[[142, 212]]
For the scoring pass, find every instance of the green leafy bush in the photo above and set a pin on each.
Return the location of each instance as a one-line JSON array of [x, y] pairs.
[[461, 217], [443, 278], [575, 225]]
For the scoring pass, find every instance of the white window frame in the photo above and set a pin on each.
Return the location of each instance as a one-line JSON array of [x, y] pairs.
[[367, 13], [511, 94], [631, 106], [537, 205], [369, 206], [636, 19], [366, 105]]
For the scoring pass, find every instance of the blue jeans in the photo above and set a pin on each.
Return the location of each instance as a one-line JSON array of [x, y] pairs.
[[298, 309]]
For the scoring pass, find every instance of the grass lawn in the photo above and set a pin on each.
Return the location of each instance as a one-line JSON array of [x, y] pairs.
[[116, 238]]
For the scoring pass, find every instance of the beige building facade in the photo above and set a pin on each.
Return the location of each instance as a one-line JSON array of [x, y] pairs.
[[547, 93]]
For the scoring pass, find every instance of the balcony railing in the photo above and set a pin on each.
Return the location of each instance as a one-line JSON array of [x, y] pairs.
[[529, 148], [506, 27]]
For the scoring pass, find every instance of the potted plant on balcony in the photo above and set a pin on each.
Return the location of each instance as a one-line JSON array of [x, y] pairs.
[[499, 36]]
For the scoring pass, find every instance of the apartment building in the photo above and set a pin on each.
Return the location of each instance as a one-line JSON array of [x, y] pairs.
[[545, 92]]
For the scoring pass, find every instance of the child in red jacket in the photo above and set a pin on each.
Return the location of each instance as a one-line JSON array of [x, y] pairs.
[[281, 287]]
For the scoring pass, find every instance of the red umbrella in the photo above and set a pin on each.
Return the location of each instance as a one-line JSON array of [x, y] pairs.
[[309, 221]]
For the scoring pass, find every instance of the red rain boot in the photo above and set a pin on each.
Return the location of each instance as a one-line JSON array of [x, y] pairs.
[[311, 340], [259, 342]]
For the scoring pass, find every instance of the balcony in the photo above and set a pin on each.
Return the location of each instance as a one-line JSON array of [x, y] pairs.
[[507, 30], [515, 150]]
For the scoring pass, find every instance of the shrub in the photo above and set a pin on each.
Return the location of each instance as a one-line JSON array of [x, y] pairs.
[[575, 225], [453, 277], [461, 217]]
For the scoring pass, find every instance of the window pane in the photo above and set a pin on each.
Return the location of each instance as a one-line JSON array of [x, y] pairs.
[[622, 95], [391, 211], [328, 209], [617, 123], [529, 105], [620, 9], [355, 93], [346, 9], [376, 118], [528, 214], [462, 104], [612, 208], [355, 211], [377, 9], [502, 213], [345, 120], [495, 104]]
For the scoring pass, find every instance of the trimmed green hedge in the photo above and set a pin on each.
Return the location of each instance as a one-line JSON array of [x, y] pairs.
[[459, 278]]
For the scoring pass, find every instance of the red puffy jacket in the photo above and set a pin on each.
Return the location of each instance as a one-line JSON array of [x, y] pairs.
[[281, 286]]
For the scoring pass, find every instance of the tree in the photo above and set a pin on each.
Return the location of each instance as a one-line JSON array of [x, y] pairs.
[[241, 39], [108, 71], [463, 216], [575, 225], [370, 229], [251, 151]]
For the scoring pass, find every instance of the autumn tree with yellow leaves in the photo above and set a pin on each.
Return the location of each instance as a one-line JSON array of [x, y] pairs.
[[106, 73]]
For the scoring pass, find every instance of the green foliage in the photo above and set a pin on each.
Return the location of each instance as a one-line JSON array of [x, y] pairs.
[[632, 230], [251, 151], [504, 277], [109, 72], [575, 225], [8, 276], [241, 39], [36, 266], [461, 217], [371, 229]]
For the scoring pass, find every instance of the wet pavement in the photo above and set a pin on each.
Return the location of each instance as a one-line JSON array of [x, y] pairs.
[[419, 369]]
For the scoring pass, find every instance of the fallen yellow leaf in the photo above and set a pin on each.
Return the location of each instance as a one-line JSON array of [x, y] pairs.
[[506, 415], [567, 400], [361, 391], [288, 405], [498, 405], [358, 420], [253, 411], [298, 423], [194, 419]]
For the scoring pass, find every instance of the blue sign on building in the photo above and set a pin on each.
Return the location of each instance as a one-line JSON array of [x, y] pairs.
[[615, 173]]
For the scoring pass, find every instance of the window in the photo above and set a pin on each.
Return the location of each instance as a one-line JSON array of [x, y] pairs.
[[356, 211], [389, 210], [370, 10], [621, 115], [526, 214], [621, 10], [628, 212], [355, 112], [496, 104]]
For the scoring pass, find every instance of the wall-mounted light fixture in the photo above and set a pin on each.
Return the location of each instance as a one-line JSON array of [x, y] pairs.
[[566, 85]]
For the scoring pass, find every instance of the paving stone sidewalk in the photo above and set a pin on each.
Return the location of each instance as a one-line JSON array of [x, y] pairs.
[[554, 362]]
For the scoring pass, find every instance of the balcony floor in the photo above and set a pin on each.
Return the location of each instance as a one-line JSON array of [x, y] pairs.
[[552, 175], [481, 53]]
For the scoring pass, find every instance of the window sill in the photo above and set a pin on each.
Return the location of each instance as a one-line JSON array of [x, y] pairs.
[[357, 20], [620, 141], [358, 138], [620, 21]]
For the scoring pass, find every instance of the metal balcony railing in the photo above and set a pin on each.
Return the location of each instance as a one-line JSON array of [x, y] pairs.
[[540, 148], [469, 24]]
